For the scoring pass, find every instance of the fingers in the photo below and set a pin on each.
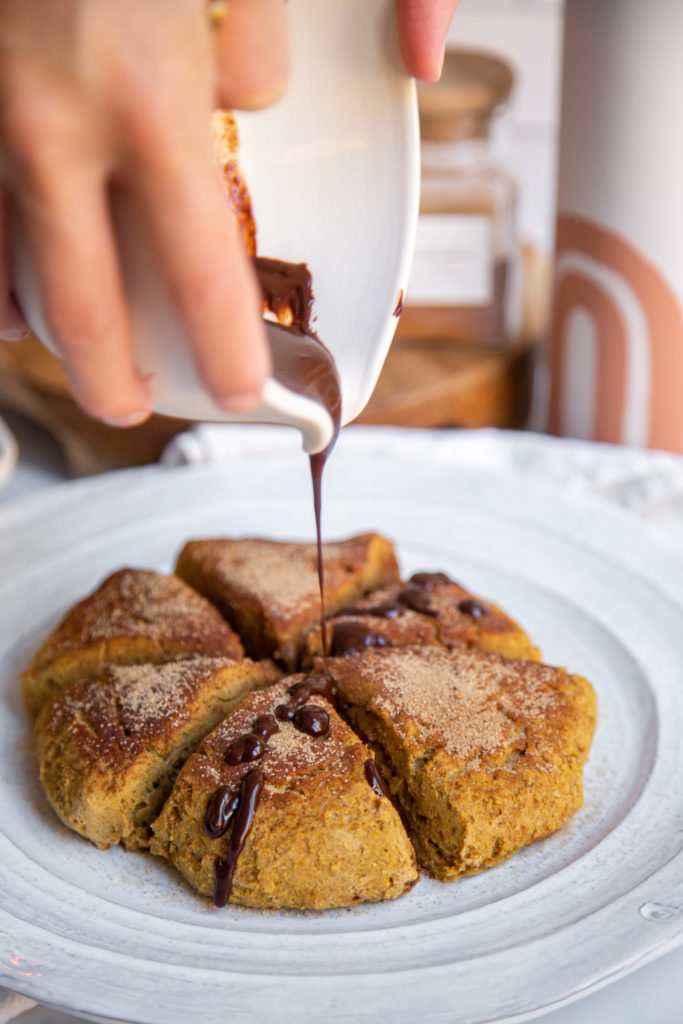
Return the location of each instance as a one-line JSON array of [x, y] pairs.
[[211, 281], [252, 53], [422, 27], [13, 327], [82, 300]]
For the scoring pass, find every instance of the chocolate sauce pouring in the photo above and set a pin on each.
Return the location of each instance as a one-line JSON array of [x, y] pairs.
[[303, 364]]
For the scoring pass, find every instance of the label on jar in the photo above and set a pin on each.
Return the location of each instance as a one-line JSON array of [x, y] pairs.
[[453, 261]]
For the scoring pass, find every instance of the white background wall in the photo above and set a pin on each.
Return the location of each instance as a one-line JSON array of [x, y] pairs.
[[528, 34]]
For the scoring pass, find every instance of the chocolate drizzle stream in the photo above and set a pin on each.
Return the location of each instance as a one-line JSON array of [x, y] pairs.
[[303, 364], [249, 796]]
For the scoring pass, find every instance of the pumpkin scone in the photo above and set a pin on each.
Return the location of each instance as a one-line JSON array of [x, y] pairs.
[[282, 807], [268, 590], [484, 753], [133, 616], [429, 608], [109, 749]]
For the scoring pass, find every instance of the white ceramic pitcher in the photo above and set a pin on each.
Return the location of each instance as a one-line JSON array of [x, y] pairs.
[[333, 171]]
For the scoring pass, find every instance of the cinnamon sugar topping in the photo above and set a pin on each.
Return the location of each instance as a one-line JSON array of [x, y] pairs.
[[469, 704]]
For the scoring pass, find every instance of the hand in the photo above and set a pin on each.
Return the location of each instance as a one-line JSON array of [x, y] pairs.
[[422, 26], [119, 92]]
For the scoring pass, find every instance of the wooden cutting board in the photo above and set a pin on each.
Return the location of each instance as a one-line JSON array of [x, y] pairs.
[[33, 384], [427, 384]]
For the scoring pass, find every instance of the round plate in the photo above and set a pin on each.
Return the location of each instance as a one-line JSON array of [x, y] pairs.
[[117, 935]]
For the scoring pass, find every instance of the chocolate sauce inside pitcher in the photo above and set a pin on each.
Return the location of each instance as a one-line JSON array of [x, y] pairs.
[[286, 287], [303, 364]]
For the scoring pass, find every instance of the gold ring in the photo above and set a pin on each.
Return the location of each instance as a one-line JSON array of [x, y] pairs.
[[217, 12]]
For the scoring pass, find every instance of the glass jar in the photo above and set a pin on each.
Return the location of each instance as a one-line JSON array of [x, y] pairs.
[[464, 285]]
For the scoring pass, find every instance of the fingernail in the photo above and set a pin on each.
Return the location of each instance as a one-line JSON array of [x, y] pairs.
[[240, 403], [14, 334], [131, 419], [441, 62], [259, 100]]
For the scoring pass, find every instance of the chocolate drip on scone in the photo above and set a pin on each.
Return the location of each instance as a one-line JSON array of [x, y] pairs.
[[418, 599], [379, 786], [429, 579], [312, 720], [416, 595], [249, 796], [301, 692], [476, 609], [222, 806], [352, 637], [252, 745], [375, 780]]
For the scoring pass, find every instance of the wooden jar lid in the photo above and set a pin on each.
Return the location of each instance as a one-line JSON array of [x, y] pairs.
[[472, 85]]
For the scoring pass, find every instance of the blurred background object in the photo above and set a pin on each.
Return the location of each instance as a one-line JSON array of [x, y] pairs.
[[463, 285], [616, 361], [477, 310]]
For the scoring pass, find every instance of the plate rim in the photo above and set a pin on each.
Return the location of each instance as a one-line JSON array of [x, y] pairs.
[[66, 497]]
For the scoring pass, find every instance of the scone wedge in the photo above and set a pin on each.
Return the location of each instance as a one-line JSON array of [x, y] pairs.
[[134, 616], [429, 608], [323, 832], [268, 590], [484, 753], [109, 749]]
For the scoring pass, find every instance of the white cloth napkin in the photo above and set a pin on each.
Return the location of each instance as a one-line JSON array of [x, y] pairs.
[[649, 484]]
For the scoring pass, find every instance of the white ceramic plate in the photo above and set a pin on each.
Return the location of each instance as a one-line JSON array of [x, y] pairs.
[[116, 935]]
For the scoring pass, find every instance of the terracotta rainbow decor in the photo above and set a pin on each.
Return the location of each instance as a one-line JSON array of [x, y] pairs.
[[616, 358]]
